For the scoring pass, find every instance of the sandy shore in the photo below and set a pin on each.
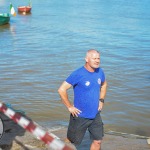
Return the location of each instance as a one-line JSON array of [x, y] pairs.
[[110, 142], [16, 138]]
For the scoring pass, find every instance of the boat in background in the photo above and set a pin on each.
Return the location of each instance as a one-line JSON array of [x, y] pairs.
[[4, 18], [24, 9]]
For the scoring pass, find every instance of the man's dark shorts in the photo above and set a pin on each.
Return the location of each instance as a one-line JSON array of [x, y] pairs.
[[78, 126]]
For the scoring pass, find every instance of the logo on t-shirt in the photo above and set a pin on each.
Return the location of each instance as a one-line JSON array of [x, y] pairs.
[[99, 81], [87, 83]]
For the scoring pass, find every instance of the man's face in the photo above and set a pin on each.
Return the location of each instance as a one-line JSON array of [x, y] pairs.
[[93, 60]]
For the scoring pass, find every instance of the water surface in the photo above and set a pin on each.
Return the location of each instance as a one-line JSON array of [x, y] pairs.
[[39, 50]]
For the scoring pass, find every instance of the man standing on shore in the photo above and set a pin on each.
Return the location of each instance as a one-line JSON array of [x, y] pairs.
[[89, 85]]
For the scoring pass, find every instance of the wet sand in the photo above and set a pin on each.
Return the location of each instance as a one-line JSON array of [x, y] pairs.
[[110, 142]]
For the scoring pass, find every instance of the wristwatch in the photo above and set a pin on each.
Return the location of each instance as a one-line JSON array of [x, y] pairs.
[[101, 100]]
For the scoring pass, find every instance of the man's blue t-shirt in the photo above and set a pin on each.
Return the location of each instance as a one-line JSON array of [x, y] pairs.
[[86, 87]]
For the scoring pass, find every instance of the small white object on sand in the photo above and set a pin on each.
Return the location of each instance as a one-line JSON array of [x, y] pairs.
[[148, 141]]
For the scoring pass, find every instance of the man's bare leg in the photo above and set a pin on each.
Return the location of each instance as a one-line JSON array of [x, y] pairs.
[[96, 145]]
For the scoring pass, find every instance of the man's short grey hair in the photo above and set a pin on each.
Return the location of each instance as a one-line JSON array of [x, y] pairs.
[[91, 51]]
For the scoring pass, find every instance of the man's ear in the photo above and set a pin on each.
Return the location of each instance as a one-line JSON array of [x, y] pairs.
[[86, 60]]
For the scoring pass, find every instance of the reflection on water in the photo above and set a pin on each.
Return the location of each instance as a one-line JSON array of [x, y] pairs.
[[24, 13], [39, 50], [4, 27]]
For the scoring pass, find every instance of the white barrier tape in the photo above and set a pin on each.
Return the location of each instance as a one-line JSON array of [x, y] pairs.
[[39, 133], [46, 137], [54, 143], [23, 122]]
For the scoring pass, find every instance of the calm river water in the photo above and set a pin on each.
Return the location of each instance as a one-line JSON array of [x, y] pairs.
[[39, 50]]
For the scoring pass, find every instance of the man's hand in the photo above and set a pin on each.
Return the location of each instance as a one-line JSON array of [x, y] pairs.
[[100, 106], [74, 111]]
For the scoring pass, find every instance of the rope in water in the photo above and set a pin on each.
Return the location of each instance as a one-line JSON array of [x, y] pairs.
[[30, 126]]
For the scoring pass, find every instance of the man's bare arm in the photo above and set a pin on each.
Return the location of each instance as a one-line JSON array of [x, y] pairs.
[[102, 95], [64, 97]]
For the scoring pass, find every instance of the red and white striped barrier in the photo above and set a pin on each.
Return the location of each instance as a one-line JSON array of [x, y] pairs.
[[38, 132]]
